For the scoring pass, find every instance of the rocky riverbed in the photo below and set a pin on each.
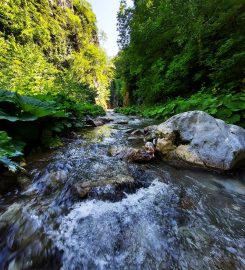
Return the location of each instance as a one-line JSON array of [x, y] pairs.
[[95, 204]]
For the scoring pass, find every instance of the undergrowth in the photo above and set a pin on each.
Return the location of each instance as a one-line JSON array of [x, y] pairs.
[[229, 107], [26, 122]]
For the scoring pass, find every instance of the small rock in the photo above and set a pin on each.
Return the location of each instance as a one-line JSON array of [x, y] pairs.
[[150, 129], [128, 131], [122, 122], [74, 135], [137, 132], [107, 189], [139, 155], [94, 122], [105, 119], [24, 181], [186, 203], [82, 192], [151, 133], [114, 150]]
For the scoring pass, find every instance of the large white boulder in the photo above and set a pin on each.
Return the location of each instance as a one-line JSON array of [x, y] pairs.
[[199, 139]]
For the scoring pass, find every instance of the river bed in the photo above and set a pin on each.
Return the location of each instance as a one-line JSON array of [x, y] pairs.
[[171, 219]]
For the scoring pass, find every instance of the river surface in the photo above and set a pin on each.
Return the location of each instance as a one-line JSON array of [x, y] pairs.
[[171, 219]]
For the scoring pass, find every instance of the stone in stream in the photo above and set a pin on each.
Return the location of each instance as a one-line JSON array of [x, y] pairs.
[[104, 119], [137, 132], [94, 122], [27, 236], [122, 122], [186, 204], [139, 155], [196, 138], [112, 189], [151, 133], [74, 135], [24, 181]]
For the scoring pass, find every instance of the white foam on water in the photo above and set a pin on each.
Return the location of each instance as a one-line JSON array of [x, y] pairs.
[[106, 235]]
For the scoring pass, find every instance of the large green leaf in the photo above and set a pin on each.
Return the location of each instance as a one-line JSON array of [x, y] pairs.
[[29, 108], [7, 148], [23, 117], [7, 96], [40, 108], [7, 151]]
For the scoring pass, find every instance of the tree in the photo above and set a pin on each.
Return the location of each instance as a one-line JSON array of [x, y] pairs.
[[174, 48]]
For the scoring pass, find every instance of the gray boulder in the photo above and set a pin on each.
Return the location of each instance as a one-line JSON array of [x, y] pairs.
[[196, 138]]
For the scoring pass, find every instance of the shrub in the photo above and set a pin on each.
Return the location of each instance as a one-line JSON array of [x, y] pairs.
[[229, 107]]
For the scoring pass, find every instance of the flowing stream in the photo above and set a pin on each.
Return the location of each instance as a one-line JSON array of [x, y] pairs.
[[168, 219]]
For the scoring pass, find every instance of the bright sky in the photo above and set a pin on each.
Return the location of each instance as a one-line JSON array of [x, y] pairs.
[[106, 13]]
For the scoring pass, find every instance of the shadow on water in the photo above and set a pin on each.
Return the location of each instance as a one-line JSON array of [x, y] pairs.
[[168, 219]]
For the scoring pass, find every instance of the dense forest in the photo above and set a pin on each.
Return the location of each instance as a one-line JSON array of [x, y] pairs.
[[174, 57], [52, 70], [181, 55], [52, 47]]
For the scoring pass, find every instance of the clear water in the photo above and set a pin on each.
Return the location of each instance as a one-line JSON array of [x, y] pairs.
[[172, 219]]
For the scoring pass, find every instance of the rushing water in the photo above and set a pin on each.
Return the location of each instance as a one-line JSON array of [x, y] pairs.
[[171, 219]]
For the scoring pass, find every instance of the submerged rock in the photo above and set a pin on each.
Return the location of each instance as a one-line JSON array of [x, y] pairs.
[[106, 189], [186, 204], [196, 138]]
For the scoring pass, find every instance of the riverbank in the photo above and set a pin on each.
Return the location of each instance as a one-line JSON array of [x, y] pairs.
[[229, 107]]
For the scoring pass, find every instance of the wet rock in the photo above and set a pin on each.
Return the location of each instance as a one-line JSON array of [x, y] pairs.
[[74, 135], [50, 180], [24, 181], [151, 133], [27, 237], [81, 191], [106, 189], [196, 138], [105, 119], [139, 155], [129, 131], [150, 129], [122, 122], [8, 180], [94, 122], [137, 132], [115, 150], [186, 204]]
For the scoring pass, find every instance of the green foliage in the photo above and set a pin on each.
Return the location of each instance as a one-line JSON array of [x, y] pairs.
[[71, 106], [14, 107], [230, 108], [123, 20], [8, 151], [89, 109], [49, 47], [39, 120], [92, 67], [175, 48]]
